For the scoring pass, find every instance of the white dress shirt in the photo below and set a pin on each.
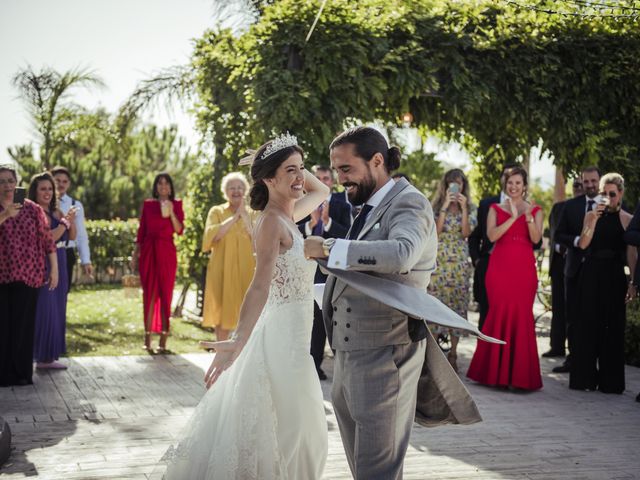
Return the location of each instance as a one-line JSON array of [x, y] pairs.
[[82, 239], [338, 255]]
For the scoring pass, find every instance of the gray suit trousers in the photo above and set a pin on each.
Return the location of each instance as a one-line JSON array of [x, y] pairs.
[[374, 397]]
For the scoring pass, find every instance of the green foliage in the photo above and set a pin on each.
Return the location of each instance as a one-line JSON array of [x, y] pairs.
[[106, 320], [424, 171], [632, 334], [52, 114], [202, 194], [112, 175], [495, 77], [541, 196], [111, 242]]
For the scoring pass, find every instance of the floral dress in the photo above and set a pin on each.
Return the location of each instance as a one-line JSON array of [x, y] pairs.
[[450, 281]]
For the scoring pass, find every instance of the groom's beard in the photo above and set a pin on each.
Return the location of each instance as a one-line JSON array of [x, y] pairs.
[[363, 190]]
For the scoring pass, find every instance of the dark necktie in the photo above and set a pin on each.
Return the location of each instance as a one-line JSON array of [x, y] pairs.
[[359, 222], [590, 204]]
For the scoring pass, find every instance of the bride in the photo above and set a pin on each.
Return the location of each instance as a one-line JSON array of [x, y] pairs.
[[263, 415]]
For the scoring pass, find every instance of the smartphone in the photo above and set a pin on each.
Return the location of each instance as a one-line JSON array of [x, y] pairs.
[[19, 194], [454, 188], [602, 200]]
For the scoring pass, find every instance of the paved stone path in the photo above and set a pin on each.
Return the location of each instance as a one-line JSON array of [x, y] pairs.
[[113, 417]]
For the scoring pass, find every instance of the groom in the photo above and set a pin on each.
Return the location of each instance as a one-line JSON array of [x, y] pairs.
[[379, 351]]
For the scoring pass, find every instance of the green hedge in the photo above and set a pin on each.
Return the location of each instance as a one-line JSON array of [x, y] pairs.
[[632, 334], [111, 243]]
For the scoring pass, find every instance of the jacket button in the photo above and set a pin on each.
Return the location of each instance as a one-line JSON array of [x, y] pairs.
[[348, 325], [335, 309], [346, 339], [348, 309], [335, 323]]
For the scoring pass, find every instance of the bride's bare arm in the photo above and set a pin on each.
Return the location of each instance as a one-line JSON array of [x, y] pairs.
[[268, 237], [317, 192]]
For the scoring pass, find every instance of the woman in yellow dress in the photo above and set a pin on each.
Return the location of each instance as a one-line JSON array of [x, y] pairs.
[[228, 238]]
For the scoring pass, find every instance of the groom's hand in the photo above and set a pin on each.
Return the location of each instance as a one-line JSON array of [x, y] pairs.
[[313, 247]]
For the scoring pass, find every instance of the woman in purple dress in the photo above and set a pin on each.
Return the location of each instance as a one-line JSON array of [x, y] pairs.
[[51, 308]]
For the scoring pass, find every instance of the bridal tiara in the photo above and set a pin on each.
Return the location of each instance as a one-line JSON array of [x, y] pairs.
[[280, 142]]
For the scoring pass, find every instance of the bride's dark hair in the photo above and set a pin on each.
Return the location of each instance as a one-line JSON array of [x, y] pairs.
[[266, 167]]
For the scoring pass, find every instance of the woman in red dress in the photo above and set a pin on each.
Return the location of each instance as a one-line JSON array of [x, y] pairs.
[[515, 226], [155, 256]]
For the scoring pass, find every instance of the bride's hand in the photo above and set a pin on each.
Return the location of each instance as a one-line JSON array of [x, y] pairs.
[[226, 352]]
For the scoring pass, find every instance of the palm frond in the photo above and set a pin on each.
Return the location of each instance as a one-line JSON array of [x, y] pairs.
[[171, 84]]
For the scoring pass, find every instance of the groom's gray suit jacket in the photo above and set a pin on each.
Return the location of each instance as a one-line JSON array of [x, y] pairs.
[[399, 243]]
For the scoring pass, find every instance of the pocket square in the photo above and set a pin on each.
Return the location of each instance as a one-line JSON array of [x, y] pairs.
[[376, 226]]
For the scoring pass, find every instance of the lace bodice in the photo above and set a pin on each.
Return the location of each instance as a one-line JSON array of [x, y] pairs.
[[293, 276]]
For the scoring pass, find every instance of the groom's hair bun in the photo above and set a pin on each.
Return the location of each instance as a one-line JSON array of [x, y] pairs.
[[263, 168], [368, 141]]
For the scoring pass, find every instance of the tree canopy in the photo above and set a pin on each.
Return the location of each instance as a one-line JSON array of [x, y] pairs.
[[493, 75]]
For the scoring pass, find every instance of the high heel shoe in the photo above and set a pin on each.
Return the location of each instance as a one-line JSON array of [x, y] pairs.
[[162, 345], [147, 342]]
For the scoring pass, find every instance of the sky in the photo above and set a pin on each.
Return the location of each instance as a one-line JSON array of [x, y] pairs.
[[123, 42]]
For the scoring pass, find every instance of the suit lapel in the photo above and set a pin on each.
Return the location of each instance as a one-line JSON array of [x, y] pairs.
[[374, 218], [378, 211]]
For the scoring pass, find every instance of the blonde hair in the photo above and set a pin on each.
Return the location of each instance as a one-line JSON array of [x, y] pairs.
[[233, 176], [612, 179]]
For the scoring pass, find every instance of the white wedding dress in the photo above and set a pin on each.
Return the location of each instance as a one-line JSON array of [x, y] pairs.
[[264, 417]]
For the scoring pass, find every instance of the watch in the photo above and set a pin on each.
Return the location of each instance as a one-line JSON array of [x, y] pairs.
[[327, 245]]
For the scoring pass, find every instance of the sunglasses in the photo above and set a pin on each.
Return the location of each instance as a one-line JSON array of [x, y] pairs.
[[611, 194]]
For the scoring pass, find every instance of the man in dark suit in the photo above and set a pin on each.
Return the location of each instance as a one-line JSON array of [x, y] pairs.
[[558, 335], [632, 237], [480, 249], [568, 234], [332, 219]]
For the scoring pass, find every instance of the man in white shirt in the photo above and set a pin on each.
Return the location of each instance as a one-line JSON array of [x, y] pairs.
[[62, 178]]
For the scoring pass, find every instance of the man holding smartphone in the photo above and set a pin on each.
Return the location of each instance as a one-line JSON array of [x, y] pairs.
[[62, 178]]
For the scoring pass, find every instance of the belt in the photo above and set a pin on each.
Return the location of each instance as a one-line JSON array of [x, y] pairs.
[[62, 244]]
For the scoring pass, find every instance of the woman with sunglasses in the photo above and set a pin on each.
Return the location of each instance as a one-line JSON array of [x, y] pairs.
[[598, 352]]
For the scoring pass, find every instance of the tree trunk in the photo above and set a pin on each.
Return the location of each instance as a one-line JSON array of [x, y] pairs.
[[559, 189]]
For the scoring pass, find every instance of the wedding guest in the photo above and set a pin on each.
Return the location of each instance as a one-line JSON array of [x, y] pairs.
[[558, 334], [568, 234], [332, 219], [51, 308], [62, 178], [227, 238], [514, 226], [457, 217], [480, 248], [632, 237], [25, 245], [155, 257], [598, 348]]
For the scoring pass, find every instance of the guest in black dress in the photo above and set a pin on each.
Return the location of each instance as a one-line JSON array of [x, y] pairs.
[[598, 356]]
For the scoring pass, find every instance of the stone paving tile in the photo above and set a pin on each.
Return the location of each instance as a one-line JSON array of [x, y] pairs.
[[114, 417]]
